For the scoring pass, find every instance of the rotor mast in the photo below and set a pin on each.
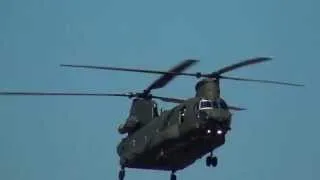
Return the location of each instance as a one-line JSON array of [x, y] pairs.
[[208, 88]]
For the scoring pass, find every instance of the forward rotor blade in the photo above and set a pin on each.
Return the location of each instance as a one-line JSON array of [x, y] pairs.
[[177, 72], [236, 108], [241, 64], [261, 81], [115, 68], [166, 78]]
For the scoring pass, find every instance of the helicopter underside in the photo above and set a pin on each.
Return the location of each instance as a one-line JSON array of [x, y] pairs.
[[175, 155]]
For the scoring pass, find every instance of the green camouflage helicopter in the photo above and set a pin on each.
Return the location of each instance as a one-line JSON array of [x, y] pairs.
[[173, 139]]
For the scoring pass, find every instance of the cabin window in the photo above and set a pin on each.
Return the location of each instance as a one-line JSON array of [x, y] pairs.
[[133, 142], [182, 114], [155, 110]]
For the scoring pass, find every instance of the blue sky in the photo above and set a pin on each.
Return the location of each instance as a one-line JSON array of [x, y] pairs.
[[70, 138]]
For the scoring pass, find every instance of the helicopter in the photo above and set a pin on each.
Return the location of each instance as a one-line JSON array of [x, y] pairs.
[[172, 139]]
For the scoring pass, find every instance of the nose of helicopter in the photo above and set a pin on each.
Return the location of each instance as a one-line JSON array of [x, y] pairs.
[[218, 119], [218, 115]]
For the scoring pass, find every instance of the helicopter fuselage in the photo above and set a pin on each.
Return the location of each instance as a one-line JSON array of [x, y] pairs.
[[178, 137]]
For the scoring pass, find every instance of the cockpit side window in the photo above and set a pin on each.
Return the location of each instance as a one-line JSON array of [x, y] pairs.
[[223, 104], [215, 104]]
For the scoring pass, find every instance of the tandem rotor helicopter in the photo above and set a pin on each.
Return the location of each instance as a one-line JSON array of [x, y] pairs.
[[173, 139]]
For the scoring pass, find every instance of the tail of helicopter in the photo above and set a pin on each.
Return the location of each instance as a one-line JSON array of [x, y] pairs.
[[142, 111]]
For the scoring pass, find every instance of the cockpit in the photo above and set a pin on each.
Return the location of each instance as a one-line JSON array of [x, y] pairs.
[[210, 104]]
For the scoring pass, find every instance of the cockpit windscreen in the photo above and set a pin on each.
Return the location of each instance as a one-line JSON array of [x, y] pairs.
[[210, 104]]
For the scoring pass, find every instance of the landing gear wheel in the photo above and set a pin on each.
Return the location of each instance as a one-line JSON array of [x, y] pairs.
[[211, 161], [122, 173], [208, 161], [173, 177], [214, 161]]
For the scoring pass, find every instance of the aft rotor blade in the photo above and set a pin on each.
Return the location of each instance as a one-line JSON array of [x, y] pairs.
[[242, 64], [129, 95], [166, 78], [167, 99], [60, 94], [261, 81]]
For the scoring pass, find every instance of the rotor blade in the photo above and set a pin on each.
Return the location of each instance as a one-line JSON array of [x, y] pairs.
[[241, 64], [129, 69], [261, 81], [60, 94], [166, 78], [115, 68], [167, 99], [161, 82], [236, 108]]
